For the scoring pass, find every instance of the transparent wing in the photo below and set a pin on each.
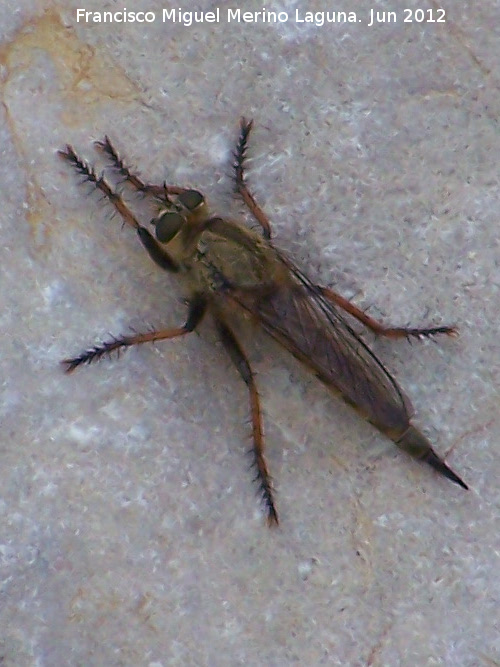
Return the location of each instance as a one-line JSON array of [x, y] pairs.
[[314, 331]]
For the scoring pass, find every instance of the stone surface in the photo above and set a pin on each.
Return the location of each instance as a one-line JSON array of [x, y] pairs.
[[129, 529]]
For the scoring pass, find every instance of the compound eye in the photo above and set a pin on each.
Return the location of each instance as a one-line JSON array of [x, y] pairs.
[[167, 226], [190, 199]]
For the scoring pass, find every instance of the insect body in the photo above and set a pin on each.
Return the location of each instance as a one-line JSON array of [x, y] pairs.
[[230, 271]]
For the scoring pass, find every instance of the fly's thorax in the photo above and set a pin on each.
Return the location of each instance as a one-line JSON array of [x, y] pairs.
[[229, 255], [215, 252]]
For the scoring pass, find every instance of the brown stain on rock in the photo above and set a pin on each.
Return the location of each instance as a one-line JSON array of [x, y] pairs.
[[83, 80]]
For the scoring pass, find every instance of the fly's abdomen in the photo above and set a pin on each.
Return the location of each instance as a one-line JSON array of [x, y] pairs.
[[416, 444], [340, 359], [298, 318]]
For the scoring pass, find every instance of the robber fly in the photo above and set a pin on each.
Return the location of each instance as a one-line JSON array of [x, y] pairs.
[[232, 271]]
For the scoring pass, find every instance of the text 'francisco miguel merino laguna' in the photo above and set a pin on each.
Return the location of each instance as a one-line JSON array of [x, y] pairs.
[[187, 18]]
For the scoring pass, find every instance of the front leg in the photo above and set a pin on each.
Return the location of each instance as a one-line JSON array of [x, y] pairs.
[[160, 191], [155, 250]]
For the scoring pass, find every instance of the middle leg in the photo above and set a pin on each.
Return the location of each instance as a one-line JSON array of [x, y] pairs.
[[239, 178], [197, 309]]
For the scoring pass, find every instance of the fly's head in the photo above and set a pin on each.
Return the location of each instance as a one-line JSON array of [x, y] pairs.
[[180, 216]]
